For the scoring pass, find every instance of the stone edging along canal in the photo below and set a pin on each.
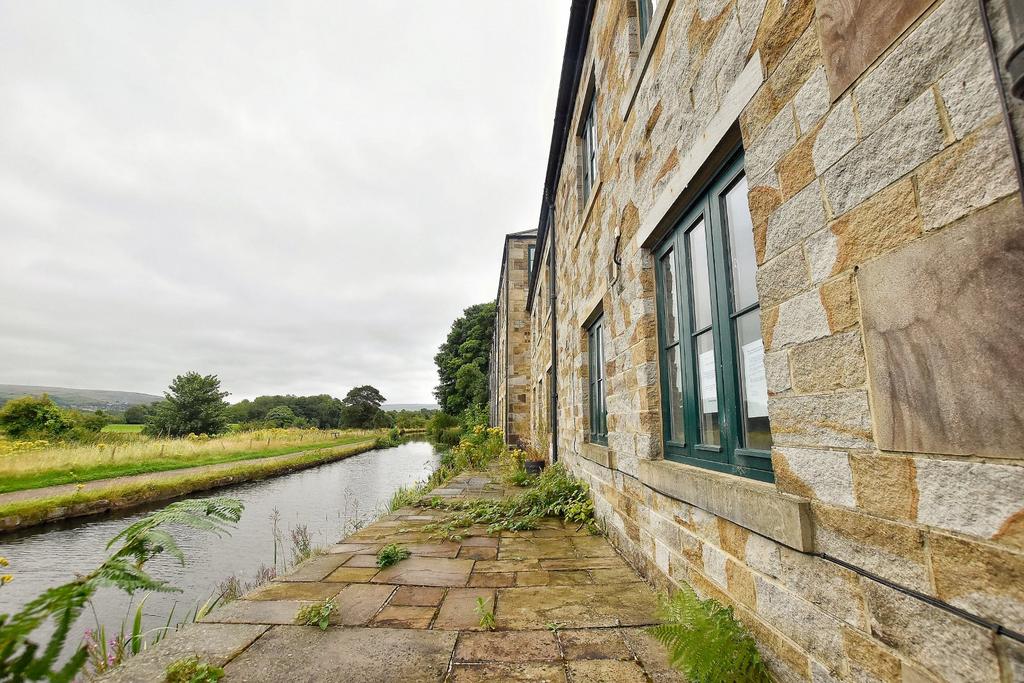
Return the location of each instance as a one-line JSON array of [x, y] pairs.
[[122, 493]]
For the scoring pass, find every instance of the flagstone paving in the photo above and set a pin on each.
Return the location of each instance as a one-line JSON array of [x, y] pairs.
[[567, 608]]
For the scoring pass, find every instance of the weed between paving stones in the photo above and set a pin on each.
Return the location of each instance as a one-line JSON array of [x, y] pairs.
[[554, 494], [193, 670], [317, 614], [391, 554]]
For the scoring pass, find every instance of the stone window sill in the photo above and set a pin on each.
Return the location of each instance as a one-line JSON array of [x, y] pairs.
[[598, 454], [653, 31], [753, 505]]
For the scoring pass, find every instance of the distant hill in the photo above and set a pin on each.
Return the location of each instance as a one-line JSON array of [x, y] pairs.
[[82, 399], [391, 407]]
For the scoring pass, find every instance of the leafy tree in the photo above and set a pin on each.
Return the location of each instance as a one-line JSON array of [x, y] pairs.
[[382, 420], [33, 415], [282, 416], [136, 415], [194, 404], [463, 361], [360, 406], [323, 411]]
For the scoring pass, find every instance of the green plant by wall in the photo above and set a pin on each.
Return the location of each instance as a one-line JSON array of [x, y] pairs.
[[317, 614], [706, 642], [486, 614], [193, 670], [555, 493], [391, 554], [22, 659]]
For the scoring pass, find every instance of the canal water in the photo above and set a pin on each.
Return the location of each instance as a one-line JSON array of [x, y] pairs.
[[328, 500]]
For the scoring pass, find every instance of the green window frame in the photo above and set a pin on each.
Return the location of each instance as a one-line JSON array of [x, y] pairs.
[[713, 385], [596, 381], [645, 15]]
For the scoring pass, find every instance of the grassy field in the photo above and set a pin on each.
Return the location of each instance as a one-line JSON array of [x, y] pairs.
[[25, 513], [71, 464], [123, 429]]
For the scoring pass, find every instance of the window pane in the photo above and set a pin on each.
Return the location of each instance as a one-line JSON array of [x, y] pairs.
[[697, 244], [741, 246], [675, 395], [668, 294], [707, 403], [756, 431]]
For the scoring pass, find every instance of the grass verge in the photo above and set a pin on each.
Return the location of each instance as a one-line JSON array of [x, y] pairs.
[[26, 513], [123, 429], [36, 480]]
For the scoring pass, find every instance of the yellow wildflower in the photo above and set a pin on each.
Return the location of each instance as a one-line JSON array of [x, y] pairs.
[[5, 579], [4, 562]]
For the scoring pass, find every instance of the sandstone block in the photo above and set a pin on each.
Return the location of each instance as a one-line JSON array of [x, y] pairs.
[[826, 585], [940, 385], [893, 551], [974, 498], [812, 101], [782, 277], [868, 660], [969, 92], [796, 168], [885, 486], [776, 369], [981, 578], [835, 362], [892, 151], [800, 319], [837, 136], [945, 37], [813, 630], [763, 555], [838, 420], [968, 176], [951, 648], [819, 474], [800, 216], [766, 151], [839, 299], [879, 225]]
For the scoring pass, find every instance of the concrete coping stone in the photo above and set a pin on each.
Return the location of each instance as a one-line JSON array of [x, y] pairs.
[[601, 455], [754, 505]]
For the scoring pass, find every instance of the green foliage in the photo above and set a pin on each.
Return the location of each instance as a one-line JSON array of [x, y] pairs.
[[22, 659], [360, 406], [463, 360], [391, 554], [392, 439], [412, 419], [486, 614], [194, 404], [706, 642], [554, 494], [136, 415], [33, 416], [322, 411], [317, 613], [283, 416], [193, 670], [444, 429]]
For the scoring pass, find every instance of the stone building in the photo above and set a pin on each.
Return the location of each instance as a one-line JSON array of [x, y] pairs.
[[777, 320], [510, 349]]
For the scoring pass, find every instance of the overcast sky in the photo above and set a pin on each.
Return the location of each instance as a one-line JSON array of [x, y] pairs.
[[297, 196]]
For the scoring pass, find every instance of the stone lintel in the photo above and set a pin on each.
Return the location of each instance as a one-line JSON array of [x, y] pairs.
[[753, 505]]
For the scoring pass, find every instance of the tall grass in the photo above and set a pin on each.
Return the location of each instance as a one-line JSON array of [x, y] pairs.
[[50, 464]]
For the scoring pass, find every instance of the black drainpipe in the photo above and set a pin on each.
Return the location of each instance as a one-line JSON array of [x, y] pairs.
[[554, 334]]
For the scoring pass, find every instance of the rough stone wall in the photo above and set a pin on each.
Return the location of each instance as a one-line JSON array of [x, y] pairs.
[[903, 176], [510, 351], [539, 383]]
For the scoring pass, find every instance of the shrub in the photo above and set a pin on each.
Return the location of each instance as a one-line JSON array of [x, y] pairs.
[[391, 554], [33, 415], [317, 613], [193, 670], [705, 641]]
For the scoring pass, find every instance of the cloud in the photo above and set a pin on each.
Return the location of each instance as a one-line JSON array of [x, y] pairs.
[[299, 197]]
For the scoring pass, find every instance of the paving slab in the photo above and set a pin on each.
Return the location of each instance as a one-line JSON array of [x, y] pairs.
[[492, 579], [367, 655], [359, 602], [593, 643], [427, 571], [418, 596], [352, 574], [605, 671], [510, 672], [478, 553], [306, 590], [316, 568], [458, 611], [622, 604], [214, 643], [515, 646], [404, 616], [256, 612], [362, 561]]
